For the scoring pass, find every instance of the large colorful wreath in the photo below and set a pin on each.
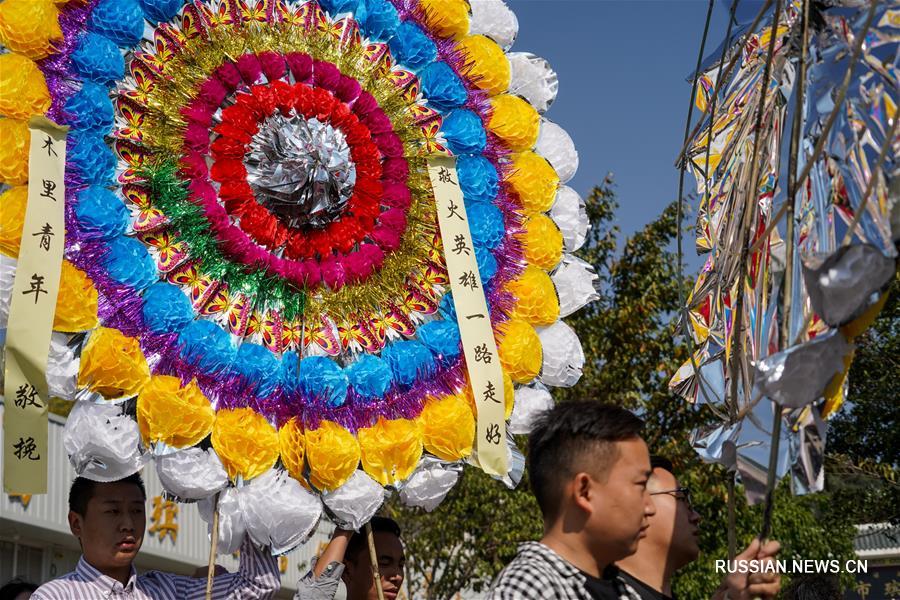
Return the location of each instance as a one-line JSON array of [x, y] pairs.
[[252, 247]]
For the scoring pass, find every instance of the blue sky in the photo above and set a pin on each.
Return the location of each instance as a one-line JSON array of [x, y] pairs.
[[623, 93]]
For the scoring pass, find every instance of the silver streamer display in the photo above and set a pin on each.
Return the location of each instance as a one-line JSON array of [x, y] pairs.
[[300, 169]]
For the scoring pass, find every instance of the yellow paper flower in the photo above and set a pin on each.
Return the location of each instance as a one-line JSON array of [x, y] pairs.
[[76, 304], [514, 121], [536, 299], [112, 364], [542, 242], [174, 415], [485, 63], [390, 450], [508, 395], [291, 442], [12, 219], [520, 351], [29, 26], [23, 91], [535, 181], [245, 441], [448, 427], [448, 18], [333, 455], [861, 323], [834, 391], [14, 151]]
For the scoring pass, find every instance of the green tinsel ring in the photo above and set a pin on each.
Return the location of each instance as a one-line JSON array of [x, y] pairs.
[[187, 221]]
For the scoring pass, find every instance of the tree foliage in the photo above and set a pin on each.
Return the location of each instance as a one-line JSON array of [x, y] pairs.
[[630, 338]]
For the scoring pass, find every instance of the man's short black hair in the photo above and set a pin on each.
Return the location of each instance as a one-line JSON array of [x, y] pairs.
[[563, 434], [16, 586], [82, 491], [813, 587], [661, 462], [358, 541]]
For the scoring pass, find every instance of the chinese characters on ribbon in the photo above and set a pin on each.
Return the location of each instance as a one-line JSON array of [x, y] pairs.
[[479, 346], [31, 313]]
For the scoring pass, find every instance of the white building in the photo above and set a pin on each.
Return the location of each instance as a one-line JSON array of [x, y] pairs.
[[36, 544]]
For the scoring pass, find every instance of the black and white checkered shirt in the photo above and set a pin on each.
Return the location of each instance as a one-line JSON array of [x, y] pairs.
[[539, 573]]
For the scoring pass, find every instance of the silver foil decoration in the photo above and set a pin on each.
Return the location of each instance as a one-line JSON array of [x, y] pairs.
[[798, 376], [843, 285], [353, 504], [430, 483], [300, 169]]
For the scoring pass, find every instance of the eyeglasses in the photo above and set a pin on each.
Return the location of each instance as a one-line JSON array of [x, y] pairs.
[[681, 493]]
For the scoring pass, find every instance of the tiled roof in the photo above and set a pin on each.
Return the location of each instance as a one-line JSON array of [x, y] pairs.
[[877, 538]]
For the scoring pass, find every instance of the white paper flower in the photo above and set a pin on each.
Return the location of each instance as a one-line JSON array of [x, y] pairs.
[[570, 215], [231, 520], [563, 356], [354, 503], [494, 19], [192, 473], [532, 78], [102, 443], [530, 400], [429, 484], [278, 511], [555, 144], [574, 280]]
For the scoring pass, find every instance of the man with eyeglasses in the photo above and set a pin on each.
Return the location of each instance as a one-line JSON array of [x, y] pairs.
[[672, 542]]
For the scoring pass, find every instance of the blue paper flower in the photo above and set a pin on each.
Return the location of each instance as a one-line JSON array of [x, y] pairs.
[[321, 377], [89, 109], [122, 21], [408, 360], [442, 87], [486, 223], [370, 377], [166, 308], [98, 59], [129, 263], [158, 11], [258, 366], [464, 131], [101, 215], [90, 157], [441, 337], [487, 264], [207, 345], [290, 375], [334, 7], [478, 178], [377, 18], [447, 307], [411, 47]]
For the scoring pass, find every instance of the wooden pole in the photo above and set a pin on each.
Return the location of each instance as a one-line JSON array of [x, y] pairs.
[[214, 542], [373, 556]]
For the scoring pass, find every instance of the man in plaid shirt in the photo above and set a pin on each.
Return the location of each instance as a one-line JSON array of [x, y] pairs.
[[588, 468]]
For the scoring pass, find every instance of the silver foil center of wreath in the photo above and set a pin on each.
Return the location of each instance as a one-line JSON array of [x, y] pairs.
[[300, 169]]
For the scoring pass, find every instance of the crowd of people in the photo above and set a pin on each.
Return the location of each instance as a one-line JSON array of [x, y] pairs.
[[618, 525]]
